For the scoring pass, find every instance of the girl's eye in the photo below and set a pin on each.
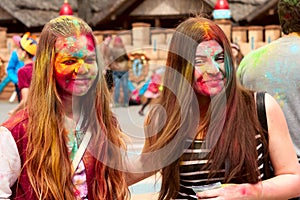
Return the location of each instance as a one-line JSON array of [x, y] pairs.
[[69, 62], [199, 62], [220, 58], [90, 60]]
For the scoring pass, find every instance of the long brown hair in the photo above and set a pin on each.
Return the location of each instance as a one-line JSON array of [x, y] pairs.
[[230, 123], [48, 163]]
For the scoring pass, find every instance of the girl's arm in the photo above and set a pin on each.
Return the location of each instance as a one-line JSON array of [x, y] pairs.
[[133, 177], [143, 166], [138, 169], [284, 160]]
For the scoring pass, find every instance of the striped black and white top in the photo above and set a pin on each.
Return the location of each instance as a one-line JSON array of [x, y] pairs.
[[191, 164]]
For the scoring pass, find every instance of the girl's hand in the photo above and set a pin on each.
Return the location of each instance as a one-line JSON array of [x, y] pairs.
[[232, 192]]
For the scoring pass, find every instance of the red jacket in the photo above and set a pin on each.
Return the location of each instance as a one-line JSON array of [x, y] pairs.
[[22, 189]]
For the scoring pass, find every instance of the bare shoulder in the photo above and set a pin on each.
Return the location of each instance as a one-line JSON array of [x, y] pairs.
[[277, 125], [273, 109], [275, 116], [281, 150]]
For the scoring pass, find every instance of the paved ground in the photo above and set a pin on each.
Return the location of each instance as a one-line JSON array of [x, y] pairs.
[[132, 124]]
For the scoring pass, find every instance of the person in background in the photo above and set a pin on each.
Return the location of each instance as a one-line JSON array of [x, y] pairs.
[[237, 54], [107, 59], [275, 68], [205, 127], [120, 71], [27, 52], [152, 91], [14, 64], [66, 143]]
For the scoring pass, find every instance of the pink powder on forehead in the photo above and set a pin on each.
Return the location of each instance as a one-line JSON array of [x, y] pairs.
[[90, 42], [71, 43]]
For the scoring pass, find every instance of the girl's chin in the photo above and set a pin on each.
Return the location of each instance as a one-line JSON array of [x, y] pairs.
[[210, 92], [78, 91]]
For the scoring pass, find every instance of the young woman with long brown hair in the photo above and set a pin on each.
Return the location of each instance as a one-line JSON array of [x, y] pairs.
[[67, 113], [206, 128]]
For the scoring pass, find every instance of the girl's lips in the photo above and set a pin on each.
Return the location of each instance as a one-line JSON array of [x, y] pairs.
[[213, 83], [80, 81], [210, 82]]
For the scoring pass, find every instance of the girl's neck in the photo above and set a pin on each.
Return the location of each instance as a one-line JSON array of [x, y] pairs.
[[71, 105], [203, 102]]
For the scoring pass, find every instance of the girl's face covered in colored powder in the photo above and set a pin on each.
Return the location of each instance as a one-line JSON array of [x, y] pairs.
[[75, 64], [209, 78]]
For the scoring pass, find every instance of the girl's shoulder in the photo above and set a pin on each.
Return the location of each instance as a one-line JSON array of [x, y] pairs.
[[17, 124]]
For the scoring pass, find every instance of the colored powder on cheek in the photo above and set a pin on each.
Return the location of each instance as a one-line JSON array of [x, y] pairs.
[[58, 66]]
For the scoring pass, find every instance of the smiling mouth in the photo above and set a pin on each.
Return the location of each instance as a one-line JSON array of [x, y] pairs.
[[213, 80], [209, 80], [83, 81]]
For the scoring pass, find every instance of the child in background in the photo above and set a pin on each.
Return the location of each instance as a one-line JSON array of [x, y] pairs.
[[26, 53], [152, 91]]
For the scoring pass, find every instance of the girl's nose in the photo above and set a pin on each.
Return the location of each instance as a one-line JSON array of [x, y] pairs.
[[213, 67], [82, 68]]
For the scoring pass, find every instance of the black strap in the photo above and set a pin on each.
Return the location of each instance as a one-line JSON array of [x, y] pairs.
[[262, 117], [261, 111]]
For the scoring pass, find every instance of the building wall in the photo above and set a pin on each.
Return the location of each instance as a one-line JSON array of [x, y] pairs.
[[154, 43]]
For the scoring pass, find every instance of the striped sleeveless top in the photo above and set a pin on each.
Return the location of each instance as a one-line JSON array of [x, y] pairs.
[[192, 162]]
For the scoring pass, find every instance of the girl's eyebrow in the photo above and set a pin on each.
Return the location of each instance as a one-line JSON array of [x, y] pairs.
[[201, 56], [222, 52], [91, 54]]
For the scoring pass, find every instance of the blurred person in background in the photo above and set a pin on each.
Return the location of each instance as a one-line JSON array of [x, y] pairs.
[[275, 68], [14, 64], [237, 54], [28, 45], [120, 67]]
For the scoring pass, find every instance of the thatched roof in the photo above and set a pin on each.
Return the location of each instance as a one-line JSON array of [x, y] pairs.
[[35, 13], [247, 10]]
